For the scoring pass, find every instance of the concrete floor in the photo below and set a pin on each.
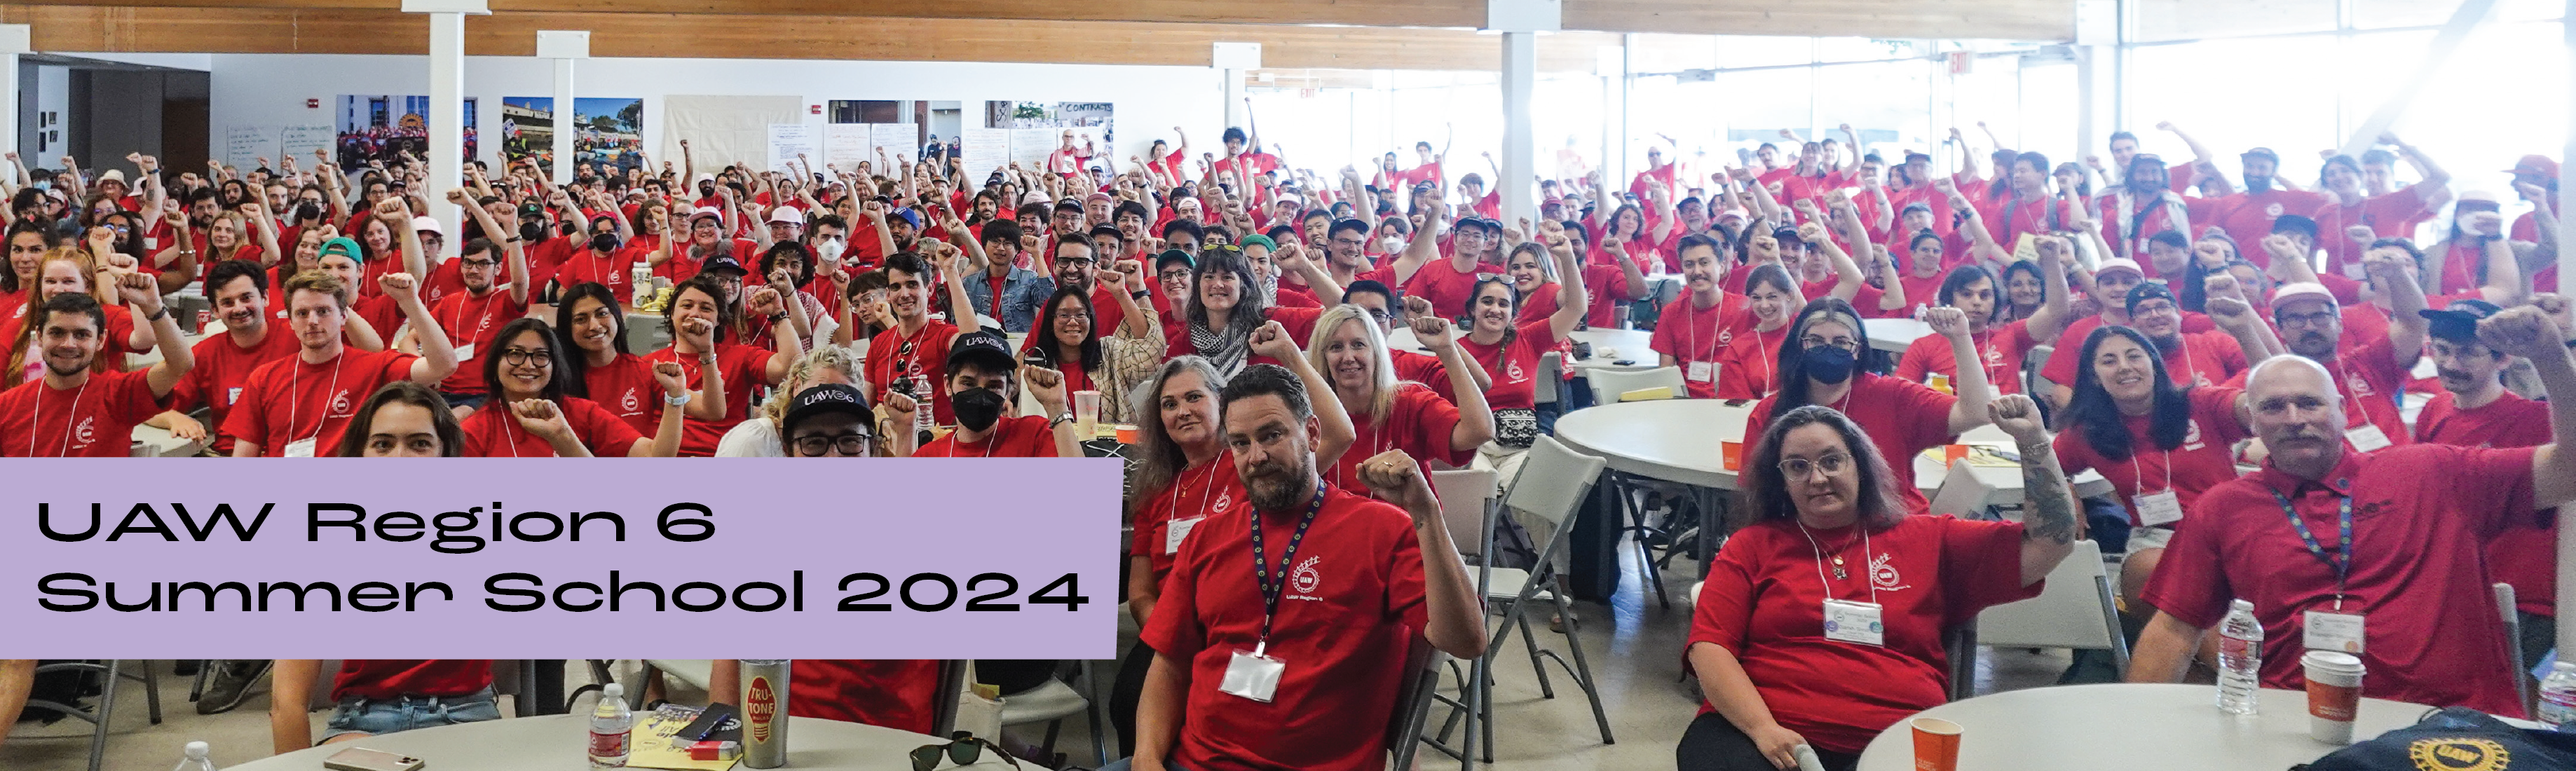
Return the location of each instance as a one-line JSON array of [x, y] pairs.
[[1633, 644]]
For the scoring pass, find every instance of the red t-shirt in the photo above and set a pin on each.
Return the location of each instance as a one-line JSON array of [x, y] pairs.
[[2247, 217], [1605, 285], [2214, 354], [2201, 462], [2002, 348], [1208, 490], [289, 400], [93, 420], [627, 390], [1512, 368], [548, 256], [382, 313], [2525, 553], [890, 693], [613, 270], [1026, 436], [1425, 369], [1748, 367], [1420, 424], [1902, 417], [1765, 594], [2422, 516], [1448, 290], [472, 324], [1693, 335], [924, 353], [2388, 215], [1352, 603], [744, 369], [1539, 304], [222, 369], [386, 679], [492, 433]]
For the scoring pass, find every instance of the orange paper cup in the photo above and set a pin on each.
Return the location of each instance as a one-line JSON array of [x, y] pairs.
[[1936, 744], [1953, 453], [1126, 434], [1731, 455]]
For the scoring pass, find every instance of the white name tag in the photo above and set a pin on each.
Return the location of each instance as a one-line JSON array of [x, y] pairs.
[[1854, 622], [300, 448], [2367, 437], [2330, 631], [1701, 371], [465, 351], [1176, 530], [2352, 270], [232, 396], [2159, 508], [1252, 675]]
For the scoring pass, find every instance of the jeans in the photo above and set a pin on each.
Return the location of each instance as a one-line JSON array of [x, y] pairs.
[[362, 716], [1713, 744]]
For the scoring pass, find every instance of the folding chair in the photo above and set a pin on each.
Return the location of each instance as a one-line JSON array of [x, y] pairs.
[[114, 673], [1551, 374], [2513, 640], [1608, 385], [1053, 701], [1413, 700], [2077, 609], [1464, 495], [1552, 486]]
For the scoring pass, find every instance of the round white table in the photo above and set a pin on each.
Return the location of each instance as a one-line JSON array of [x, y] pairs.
[[1893, 335], [1610, 346], [2130, 726], [1676, 440], [555, 743]]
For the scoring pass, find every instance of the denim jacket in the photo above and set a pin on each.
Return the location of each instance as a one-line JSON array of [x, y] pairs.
[[1023, 291]]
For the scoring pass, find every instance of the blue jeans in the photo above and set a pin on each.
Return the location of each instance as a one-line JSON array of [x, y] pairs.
[[1121, 765], [362, 716]]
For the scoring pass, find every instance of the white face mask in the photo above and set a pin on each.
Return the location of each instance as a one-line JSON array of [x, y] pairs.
[[830, 249]]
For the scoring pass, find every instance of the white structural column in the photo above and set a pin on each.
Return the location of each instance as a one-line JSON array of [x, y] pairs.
[[2566, 274], [564, 47], [1612, 64], [2097, 57], [1235, 61], [446, 97], [15, 39], [1520, 22]]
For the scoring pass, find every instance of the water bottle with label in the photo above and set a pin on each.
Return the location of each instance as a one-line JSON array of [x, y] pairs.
[[2240, 659], [924, 419], [2557, 705], [611, 728], [194, 758]]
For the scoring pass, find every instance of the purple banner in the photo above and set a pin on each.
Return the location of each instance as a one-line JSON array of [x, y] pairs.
[[406, 559]]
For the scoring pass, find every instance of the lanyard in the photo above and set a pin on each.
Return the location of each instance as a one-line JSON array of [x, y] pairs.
[[1207, 488], [2341, 561], [1270, 592], [2141, 486], [35, 413], [1864, 562], [456, 320], [294, 395]]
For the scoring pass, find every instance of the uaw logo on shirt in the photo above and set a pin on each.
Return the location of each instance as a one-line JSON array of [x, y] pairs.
[[630, 403], [2191, 435], [2360, 386], [340, 406], [1303, 580], [1882, 574], [2272, 210], [85, 433], [1224, 501], [2458, 754], [1725, 337], [1512, 373]]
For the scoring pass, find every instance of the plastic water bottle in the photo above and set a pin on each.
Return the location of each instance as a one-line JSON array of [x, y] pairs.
[[2240, 659], [611, 727], [195, 759], [2558, 695], [924, 419]]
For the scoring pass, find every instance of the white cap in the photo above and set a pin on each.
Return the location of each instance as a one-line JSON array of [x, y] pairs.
[[787, 214], [2299, 290], [706, 211], [706, 177], [2119, 263], [426, 225], [112, 175], [2487, 196], [612, 691], [196, 750]]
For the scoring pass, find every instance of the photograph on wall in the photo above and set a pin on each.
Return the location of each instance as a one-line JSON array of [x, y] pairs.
[[1056, 136], [608, 132], [382, 128]]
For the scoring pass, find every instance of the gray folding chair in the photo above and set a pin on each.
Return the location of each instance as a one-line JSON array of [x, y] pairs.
[[1413, 700], [2505, 603], [114, 673], [2075, 610], [1552, 486]]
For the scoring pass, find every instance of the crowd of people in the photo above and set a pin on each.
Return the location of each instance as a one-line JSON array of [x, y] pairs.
[[2232, 354]]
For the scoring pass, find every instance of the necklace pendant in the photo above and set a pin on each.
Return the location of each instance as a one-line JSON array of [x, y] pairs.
[[1839, 575]]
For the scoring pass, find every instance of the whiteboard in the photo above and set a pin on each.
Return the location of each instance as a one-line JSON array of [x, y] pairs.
[[1030, 146], [788, 140], [985, 149], [897, 138], [845, 145], [245, 145], [301, 141]]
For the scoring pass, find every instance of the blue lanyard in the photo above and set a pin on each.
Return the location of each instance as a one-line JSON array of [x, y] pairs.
[[2341, 561], [1271, 592]]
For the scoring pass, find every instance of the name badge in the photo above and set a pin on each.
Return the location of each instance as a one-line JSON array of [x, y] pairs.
[[300, 448], [2330, 631], [2367, 437], [1854, 622], [2352, 270], [2159, 508], [1702, 371], [465, 351], [1252, 675], [1175, 531], [232, 396]]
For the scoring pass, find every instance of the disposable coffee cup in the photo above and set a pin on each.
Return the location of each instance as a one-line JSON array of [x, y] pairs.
[[1951, 454], [2334, 694], [1730, 454], [1936, 744], [1086, 411]]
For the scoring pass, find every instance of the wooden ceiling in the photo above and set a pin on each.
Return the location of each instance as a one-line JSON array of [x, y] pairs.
[[1362, 34]]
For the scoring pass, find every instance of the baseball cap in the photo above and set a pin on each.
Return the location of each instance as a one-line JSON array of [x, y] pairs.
[[704, 212], [1098, 197], [723, 262], [706, 177], [2144, 291], [427, 225], [1263, 240], [1910, 155], [2302, 290], [2459, 322], [986, 350], [2294, 223], [1170, 256], [909, 217], [824, 399], [2487, 197], [1495, 226], [2534, 165], [2264, 153], [344, 247], [788, 215], [2119, 263]]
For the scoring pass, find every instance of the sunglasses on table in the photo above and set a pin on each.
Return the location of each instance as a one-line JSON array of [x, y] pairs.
[[963, 749]]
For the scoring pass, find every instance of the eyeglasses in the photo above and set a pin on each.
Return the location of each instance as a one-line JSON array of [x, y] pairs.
[[964, 748], [848, 445], [480, 264], [2318, 319], [1799, 468], [1842, 343], [522, 358]]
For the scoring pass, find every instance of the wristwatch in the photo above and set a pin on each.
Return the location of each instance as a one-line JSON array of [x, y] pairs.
[[1061, 419]]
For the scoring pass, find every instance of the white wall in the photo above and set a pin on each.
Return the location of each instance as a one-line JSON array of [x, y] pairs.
[[272, 89]]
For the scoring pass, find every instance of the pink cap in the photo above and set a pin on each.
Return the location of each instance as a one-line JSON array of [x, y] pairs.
[[2302, 290]]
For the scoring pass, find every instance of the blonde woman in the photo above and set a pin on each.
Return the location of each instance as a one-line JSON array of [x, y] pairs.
[[1386, 414], [758, 437]]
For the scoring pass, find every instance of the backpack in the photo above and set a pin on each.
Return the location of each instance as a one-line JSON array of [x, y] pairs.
[[2456, 739]]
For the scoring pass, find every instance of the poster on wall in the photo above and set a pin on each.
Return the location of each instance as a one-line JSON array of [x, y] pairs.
[[608, 132], [786, 142], [984, 151], [845, 146], [245, 145], [300, 142], [1038, 132], [382, 128]]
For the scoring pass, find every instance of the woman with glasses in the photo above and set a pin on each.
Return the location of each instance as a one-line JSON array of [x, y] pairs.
[[1069, 341], [1820, 624], [538, 419], [1827, 361]]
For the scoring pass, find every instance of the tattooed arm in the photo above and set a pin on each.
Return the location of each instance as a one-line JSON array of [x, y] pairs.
[[2049, 523]]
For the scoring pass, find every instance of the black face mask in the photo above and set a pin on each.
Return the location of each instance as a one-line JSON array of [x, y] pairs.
[[977, 408], [604, 242], [1829, 364], [532, 231]]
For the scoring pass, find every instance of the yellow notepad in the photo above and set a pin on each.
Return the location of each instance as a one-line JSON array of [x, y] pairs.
[[651, 746]]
